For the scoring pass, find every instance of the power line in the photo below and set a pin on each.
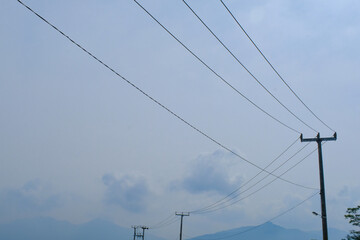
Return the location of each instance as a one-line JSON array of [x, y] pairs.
[[167, 221], [253, 185], [162, 221], [272, 219], [150, 97], [246, 69], [273, 68], [249, 195], [142, 92], [210, 208], [214, 72], [243, 185]]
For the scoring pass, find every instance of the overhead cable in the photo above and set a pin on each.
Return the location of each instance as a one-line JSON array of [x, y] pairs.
[[215, 208], [247, 182], [164, 222], [214, 72], [273, 68], [210, 208], [150, 97], [247, 70], [269, 220]]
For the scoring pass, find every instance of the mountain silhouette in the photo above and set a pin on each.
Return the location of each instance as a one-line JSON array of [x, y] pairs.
[[45, 228], [270, 231], [48, 228]]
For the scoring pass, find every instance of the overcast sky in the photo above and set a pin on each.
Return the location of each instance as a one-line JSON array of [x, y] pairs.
[[78, 143]]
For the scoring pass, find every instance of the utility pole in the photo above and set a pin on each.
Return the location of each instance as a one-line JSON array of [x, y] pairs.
[[182, 214], [319, 141], [143, 234], [139, 235], [134, 227]]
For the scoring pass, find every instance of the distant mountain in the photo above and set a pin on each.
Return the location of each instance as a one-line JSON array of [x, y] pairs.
[[51, 229], [48, 228], [270, 231]]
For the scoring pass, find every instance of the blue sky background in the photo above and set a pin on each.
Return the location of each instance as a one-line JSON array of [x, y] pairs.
[[77, 143]]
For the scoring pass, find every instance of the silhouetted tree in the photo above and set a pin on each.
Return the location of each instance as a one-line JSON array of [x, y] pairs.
[[353, 215]]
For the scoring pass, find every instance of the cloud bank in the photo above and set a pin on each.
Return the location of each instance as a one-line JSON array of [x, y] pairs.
[[33, 198], [128, 192], [211, 173]]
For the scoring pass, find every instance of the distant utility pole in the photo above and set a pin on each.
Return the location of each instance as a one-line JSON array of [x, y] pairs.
[[319, 141], [143, 234], [139, 235], [182, 214]]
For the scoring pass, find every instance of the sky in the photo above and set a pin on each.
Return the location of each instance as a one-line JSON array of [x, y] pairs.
[[78, 143]]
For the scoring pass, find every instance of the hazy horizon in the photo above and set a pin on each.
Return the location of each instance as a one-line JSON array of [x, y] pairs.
[[79, 143]]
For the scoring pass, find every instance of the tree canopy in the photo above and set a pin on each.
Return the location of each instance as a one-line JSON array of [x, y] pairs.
[[353, 215]]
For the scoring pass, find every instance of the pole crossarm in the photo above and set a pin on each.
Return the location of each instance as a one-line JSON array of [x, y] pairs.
[[182, 214], [318, 138]]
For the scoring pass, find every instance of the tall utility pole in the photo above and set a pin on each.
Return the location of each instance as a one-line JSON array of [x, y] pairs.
[[319, 141], [182, 214], [139, 235]]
